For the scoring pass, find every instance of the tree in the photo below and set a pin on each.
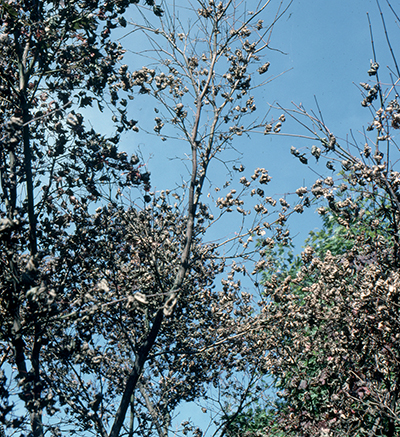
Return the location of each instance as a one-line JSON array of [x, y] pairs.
[[55, 59], [332, 316], [337, 371], [104, 311]]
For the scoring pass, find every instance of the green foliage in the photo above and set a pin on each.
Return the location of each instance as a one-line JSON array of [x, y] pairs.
[[335, 234], [252, 422]]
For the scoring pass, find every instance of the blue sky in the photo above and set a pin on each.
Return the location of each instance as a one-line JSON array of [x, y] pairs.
[[327, 53]]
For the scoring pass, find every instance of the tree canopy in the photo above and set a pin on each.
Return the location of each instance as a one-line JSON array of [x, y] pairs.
[[331, 315], [115, 309], [110, 314]]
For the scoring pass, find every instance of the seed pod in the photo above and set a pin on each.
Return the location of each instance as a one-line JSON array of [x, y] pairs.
[[316, 151], [264, 68], [330, 166], [141, 298], [373, 68]]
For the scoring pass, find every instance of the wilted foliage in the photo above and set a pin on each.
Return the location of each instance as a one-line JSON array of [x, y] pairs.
[[333, 339], [115, 309], [331, 316]]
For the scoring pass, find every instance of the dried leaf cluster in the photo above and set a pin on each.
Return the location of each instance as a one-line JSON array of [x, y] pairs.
[[331, 316], [111, 308]]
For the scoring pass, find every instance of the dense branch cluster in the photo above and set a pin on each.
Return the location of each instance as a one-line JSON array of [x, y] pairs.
[[109, 306], [333, 341], [114, 309]]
